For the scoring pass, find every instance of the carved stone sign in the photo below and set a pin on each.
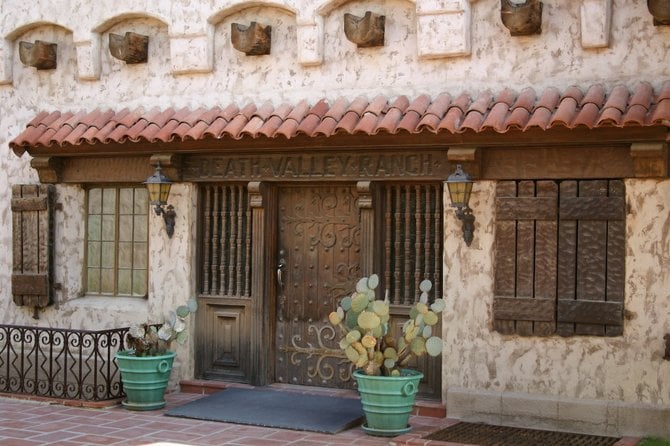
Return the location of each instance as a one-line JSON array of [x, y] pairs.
[[424, 165]]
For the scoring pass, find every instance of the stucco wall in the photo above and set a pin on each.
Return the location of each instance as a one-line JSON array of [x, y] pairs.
[[628, 368], [192, 63]]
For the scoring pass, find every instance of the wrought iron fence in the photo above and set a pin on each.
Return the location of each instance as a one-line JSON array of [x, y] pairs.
[[60, 363]]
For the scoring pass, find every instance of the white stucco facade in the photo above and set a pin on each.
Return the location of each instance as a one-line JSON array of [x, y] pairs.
[[430, 47]]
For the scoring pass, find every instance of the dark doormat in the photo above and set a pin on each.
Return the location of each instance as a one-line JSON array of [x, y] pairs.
[[275, 408], [490, 435]]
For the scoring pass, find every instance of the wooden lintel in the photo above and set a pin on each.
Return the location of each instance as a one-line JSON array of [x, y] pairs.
[[49, 168], [170, 163], [650, 159]]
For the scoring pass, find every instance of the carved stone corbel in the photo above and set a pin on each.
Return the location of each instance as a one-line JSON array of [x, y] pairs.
[[523, 19], [252, 40], [131, 48], [49, 169], [40, 55], [650, 160], [660, 10], [170, 164], [366, 31]]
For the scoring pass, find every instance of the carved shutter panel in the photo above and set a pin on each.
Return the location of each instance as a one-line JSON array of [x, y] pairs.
[[525, 279], [591, 258], [32, 233]]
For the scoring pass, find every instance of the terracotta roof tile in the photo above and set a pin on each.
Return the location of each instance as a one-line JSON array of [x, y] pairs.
[[435, 112], [238, 123], [567, 107], [517, 119], [275, 120], [587, 116], [497, 116], [636, 115], [618, 98], [525, 100], [396, 110], [594, 95], [504, 112], [313, 118], [455, 113], [415, 109]]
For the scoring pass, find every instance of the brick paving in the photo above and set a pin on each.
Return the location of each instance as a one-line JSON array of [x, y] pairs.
[[34, 423]]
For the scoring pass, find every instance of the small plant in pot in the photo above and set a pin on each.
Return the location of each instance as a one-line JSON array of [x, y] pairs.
[[385, 383], [147, 362]]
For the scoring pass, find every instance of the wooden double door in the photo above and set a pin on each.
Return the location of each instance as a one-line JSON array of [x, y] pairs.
[[303, 247]]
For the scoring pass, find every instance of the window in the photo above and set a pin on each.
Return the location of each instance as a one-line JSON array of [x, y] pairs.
[[560, 252], [117, 243]]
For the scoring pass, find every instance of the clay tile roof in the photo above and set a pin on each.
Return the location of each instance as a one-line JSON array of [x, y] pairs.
[[413, 113], [432, 117], [352, 115], [595, 107], [396, 110], [313, 118]]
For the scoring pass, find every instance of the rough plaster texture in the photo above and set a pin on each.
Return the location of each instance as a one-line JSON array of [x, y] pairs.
[[192, 63], [628, 369]]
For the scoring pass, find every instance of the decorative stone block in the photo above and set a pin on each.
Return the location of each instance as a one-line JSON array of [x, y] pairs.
[[310, 42], [595, 20], [192, 53], [88, 59], [444, 30]]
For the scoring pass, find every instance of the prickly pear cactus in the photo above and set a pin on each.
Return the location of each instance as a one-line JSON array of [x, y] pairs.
[[364, 322]]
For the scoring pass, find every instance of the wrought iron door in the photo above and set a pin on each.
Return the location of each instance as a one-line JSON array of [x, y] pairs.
[[318, 264]]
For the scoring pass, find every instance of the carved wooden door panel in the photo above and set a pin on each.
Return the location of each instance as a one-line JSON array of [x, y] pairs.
[[319, 249]]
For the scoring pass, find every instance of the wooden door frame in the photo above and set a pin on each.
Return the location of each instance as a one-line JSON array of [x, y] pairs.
[[263, 203]]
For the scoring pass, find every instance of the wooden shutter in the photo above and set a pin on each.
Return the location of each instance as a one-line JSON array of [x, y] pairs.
[[32, 233], [591, 258], [525, 278]]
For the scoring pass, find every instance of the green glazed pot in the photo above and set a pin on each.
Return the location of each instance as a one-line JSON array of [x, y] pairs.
[[144, 379], [388, 401]]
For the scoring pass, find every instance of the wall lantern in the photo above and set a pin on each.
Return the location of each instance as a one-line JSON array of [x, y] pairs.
[[460, 184], [158, 186]]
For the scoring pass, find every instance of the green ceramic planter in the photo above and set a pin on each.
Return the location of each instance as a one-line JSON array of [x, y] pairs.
[[144, 379], [388, 401]]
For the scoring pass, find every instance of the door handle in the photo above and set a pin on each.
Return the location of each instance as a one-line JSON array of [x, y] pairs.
[[280, 268]]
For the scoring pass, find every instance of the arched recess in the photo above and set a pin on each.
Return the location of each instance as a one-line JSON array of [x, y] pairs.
[[10, 42]]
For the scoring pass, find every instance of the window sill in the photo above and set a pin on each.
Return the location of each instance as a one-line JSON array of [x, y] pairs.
[[109, 303]]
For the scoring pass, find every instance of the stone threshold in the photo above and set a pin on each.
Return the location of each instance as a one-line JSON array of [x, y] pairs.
[[422, 407]]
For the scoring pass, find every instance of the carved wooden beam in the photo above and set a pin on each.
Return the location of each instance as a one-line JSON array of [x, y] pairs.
[[522, 19], [660, 10], [468, 157], [131, 48], [252, 40], [650, 160], [41, 55], [170, 164], [367, 31], [49, 168]]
